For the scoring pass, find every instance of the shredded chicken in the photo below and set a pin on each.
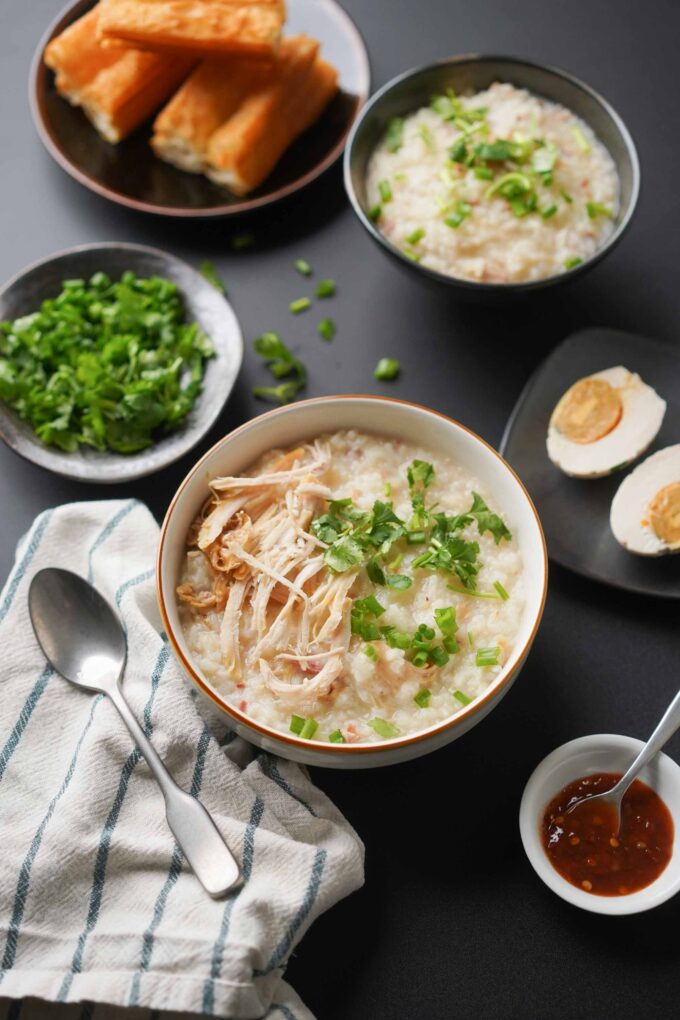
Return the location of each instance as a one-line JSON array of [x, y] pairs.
[[284, 615]]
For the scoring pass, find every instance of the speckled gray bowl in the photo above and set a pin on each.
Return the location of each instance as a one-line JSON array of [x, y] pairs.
[[204, 305], [473, 73]]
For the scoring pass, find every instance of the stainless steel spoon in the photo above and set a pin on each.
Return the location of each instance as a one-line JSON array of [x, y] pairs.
[[83, 638], [668, 724]]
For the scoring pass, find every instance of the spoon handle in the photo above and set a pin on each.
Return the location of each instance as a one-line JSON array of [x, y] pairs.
[[195, 831], [668, 724]]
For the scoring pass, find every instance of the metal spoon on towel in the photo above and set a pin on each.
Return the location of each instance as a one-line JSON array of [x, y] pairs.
[[83, 638]]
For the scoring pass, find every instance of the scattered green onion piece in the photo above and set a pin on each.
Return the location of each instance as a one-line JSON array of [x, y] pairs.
[[461, 212], [299, 305], [385, 191], [208, 271], [326, 288], [414, 256], [296, 724], [426, 136], [336, 737], [375, 212], [483, 173], [326, 329], [473, 594], [488, 656], [580, 138], [471, 639], [573, 262], [549, 211], [416, 235], [371, 652], [309, 729], [595, 209], [387, 369], [566, 196], [463, 698], [395, 134], [422, 698], [383, 728], [388, 490], [303, 267], [501, 590]]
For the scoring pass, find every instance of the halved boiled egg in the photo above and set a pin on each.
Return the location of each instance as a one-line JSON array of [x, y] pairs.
[[645, 512], [604, 422]]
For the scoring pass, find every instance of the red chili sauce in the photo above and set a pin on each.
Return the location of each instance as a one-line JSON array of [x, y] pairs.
[[583, 846]]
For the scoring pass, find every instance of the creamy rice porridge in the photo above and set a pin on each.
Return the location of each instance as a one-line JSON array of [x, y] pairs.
[[352, 589], [497, 187]]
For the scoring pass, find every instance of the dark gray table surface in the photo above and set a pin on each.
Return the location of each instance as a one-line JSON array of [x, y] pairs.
[[452, 920]]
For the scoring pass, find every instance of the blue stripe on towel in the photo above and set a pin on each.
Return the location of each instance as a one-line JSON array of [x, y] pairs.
[[20, 570], [287, 1013], [39, 687], [25, 714], [107, 834], [171, 878], [281, 952], [269, 766], [144, 576], [21, 894], [256, 813], [106, 532]]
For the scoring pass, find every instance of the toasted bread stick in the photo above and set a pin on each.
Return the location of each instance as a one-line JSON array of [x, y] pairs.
[[243, 152], [117, 89], [200, 27], [208, 98]]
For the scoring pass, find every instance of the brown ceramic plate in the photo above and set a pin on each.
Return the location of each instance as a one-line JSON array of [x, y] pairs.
[[130, 174]]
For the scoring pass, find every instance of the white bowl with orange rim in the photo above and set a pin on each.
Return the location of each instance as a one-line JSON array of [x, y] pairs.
[[379, 416]]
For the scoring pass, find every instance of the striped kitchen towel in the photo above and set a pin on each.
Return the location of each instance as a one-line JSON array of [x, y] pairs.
[[97, 904]]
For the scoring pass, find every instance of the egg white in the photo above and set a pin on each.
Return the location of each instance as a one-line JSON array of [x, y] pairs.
[[630, 504]]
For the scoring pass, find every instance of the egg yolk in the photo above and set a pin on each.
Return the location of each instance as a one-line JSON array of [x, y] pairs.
[[664, 513], [589, 410]]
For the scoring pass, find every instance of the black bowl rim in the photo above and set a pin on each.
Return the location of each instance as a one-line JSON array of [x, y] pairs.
[[472, 285], [36, 80], [137, 469]]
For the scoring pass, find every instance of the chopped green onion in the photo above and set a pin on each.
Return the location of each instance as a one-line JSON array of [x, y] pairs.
[[385, 191], [242, 241], [383, 728], [463, 698], [395, 133], [471, 639], [371, 652], [207, 270], [549, 211], [303, 267], [387, 369], [473, 594], [326, 288], [296, 724], [336, 737], [388, 490], [326, 329], [483, 173], [572, 262], [299, 305], [488, 656], [414, 256], [422, 698], [309, 729], [461, 212], [566, 196], [595, 209], [580, 138], [426, 136], [501, 590], [416, 235], [375, 212], [445, 618]]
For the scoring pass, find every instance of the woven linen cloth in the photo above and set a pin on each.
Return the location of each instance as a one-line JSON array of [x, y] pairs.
[[97, 904]]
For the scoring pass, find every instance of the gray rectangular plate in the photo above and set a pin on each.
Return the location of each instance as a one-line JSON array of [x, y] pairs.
[[574, 511]]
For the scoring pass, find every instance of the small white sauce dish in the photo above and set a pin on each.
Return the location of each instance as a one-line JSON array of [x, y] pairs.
[[600, 752]]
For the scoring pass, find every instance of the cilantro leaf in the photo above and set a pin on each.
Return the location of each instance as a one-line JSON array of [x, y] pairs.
[[487, 520]]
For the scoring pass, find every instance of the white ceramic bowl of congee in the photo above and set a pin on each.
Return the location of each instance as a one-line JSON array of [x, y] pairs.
[[288, 426]]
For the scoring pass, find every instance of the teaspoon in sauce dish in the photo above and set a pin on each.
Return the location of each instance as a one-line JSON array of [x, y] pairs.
[[83, 639], [611, 799]]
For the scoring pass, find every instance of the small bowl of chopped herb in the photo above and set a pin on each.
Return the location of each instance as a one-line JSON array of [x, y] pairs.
[[492, 175], [115, 360]]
